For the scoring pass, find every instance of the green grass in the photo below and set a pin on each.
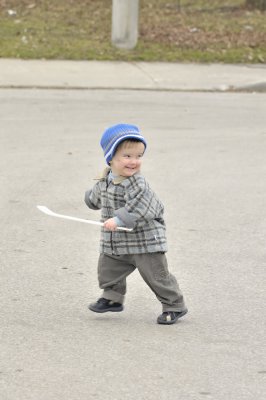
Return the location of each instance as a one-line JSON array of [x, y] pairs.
[[197, 31]]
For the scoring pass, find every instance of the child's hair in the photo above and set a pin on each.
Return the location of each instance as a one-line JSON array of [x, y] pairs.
[[126, 144]]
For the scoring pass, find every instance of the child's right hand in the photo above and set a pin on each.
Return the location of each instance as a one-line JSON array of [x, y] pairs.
[[110, 224]]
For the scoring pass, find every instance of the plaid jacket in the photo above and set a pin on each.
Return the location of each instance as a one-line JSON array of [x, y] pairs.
[[134, 203]]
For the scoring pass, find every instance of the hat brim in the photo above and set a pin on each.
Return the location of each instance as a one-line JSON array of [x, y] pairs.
[[111, 152]]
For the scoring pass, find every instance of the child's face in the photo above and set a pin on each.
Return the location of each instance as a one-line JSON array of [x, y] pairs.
[[127, 159]]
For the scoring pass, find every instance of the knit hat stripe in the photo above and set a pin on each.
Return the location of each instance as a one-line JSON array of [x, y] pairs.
[[117, 138], [121, 139]]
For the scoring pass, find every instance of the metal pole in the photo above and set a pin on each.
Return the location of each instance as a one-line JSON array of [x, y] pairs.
[[125, 23]]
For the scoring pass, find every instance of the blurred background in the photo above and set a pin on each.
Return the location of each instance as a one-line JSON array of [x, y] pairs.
[[230, 31]]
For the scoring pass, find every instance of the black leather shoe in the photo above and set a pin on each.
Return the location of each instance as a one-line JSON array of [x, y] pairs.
[[103, 305], [170, 317]]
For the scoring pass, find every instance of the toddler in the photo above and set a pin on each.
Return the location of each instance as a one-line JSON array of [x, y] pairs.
[[127, 201]]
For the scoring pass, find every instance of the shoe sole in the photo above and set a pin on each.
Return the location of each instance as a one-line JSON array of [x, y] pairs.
[[173, 321], [118, 309]]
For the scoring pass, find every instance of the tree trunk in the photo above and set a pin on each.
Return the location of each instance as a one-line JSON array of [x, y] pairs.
[[256, 4]]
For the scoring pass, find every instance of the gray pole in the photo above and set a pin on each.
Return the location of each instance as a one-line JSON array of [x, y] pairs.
[[125, 23]]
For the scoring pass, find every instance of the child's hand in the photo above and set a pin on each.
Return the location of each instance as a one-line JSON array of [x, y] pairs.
[[110, 224]]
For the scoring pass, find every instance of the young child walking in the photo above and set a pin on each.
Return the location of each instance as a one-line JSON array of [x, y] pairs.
[[126, 200]]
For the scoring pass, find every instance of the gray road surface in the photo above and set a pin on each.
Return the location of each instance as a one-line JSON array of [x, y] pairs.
[[211, 148]]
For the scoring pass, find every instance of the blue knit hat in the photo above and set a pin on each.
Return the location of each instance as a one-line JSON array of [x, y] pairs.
[[116, 134]]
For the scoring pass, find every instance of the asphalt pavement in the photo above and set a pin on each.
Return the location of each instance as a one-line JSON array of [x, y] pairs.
[[206, 161]]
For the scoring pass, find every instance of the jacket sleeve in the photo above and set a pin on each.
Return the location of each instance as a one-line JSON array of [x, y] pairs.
[[93, 197], [142, 205]]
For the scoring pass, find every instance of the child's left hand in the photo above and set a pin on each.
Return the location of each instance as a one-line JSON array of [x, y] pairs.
[[110, 224]]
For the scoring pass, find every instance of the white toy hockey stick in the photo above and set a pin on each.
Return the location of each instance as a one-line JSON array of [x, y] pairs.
[[46, 210]]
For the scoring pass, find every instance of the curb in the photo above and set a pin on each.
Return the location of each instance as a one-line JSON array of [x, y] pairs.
[[255, 88]]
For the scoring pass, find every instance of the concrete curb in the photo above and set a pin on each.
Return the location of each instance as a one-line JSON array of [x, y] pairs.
[[107, 75], [256, 88]]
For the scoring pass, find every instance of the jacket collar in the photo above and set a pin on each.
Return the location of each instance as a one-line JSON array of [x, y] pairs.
[[104, 174]]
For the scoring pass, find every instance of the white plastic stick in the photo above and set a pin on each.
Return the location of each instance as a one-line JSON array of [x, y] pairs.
[[47, 211]]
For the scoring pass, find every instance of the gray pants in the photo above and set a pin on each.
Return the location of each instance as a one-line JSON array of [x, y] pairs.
[[113, 271]]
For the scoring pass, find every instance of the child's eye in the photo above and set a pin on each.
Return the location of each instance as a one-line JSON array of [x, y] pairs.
[[129, 156]]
